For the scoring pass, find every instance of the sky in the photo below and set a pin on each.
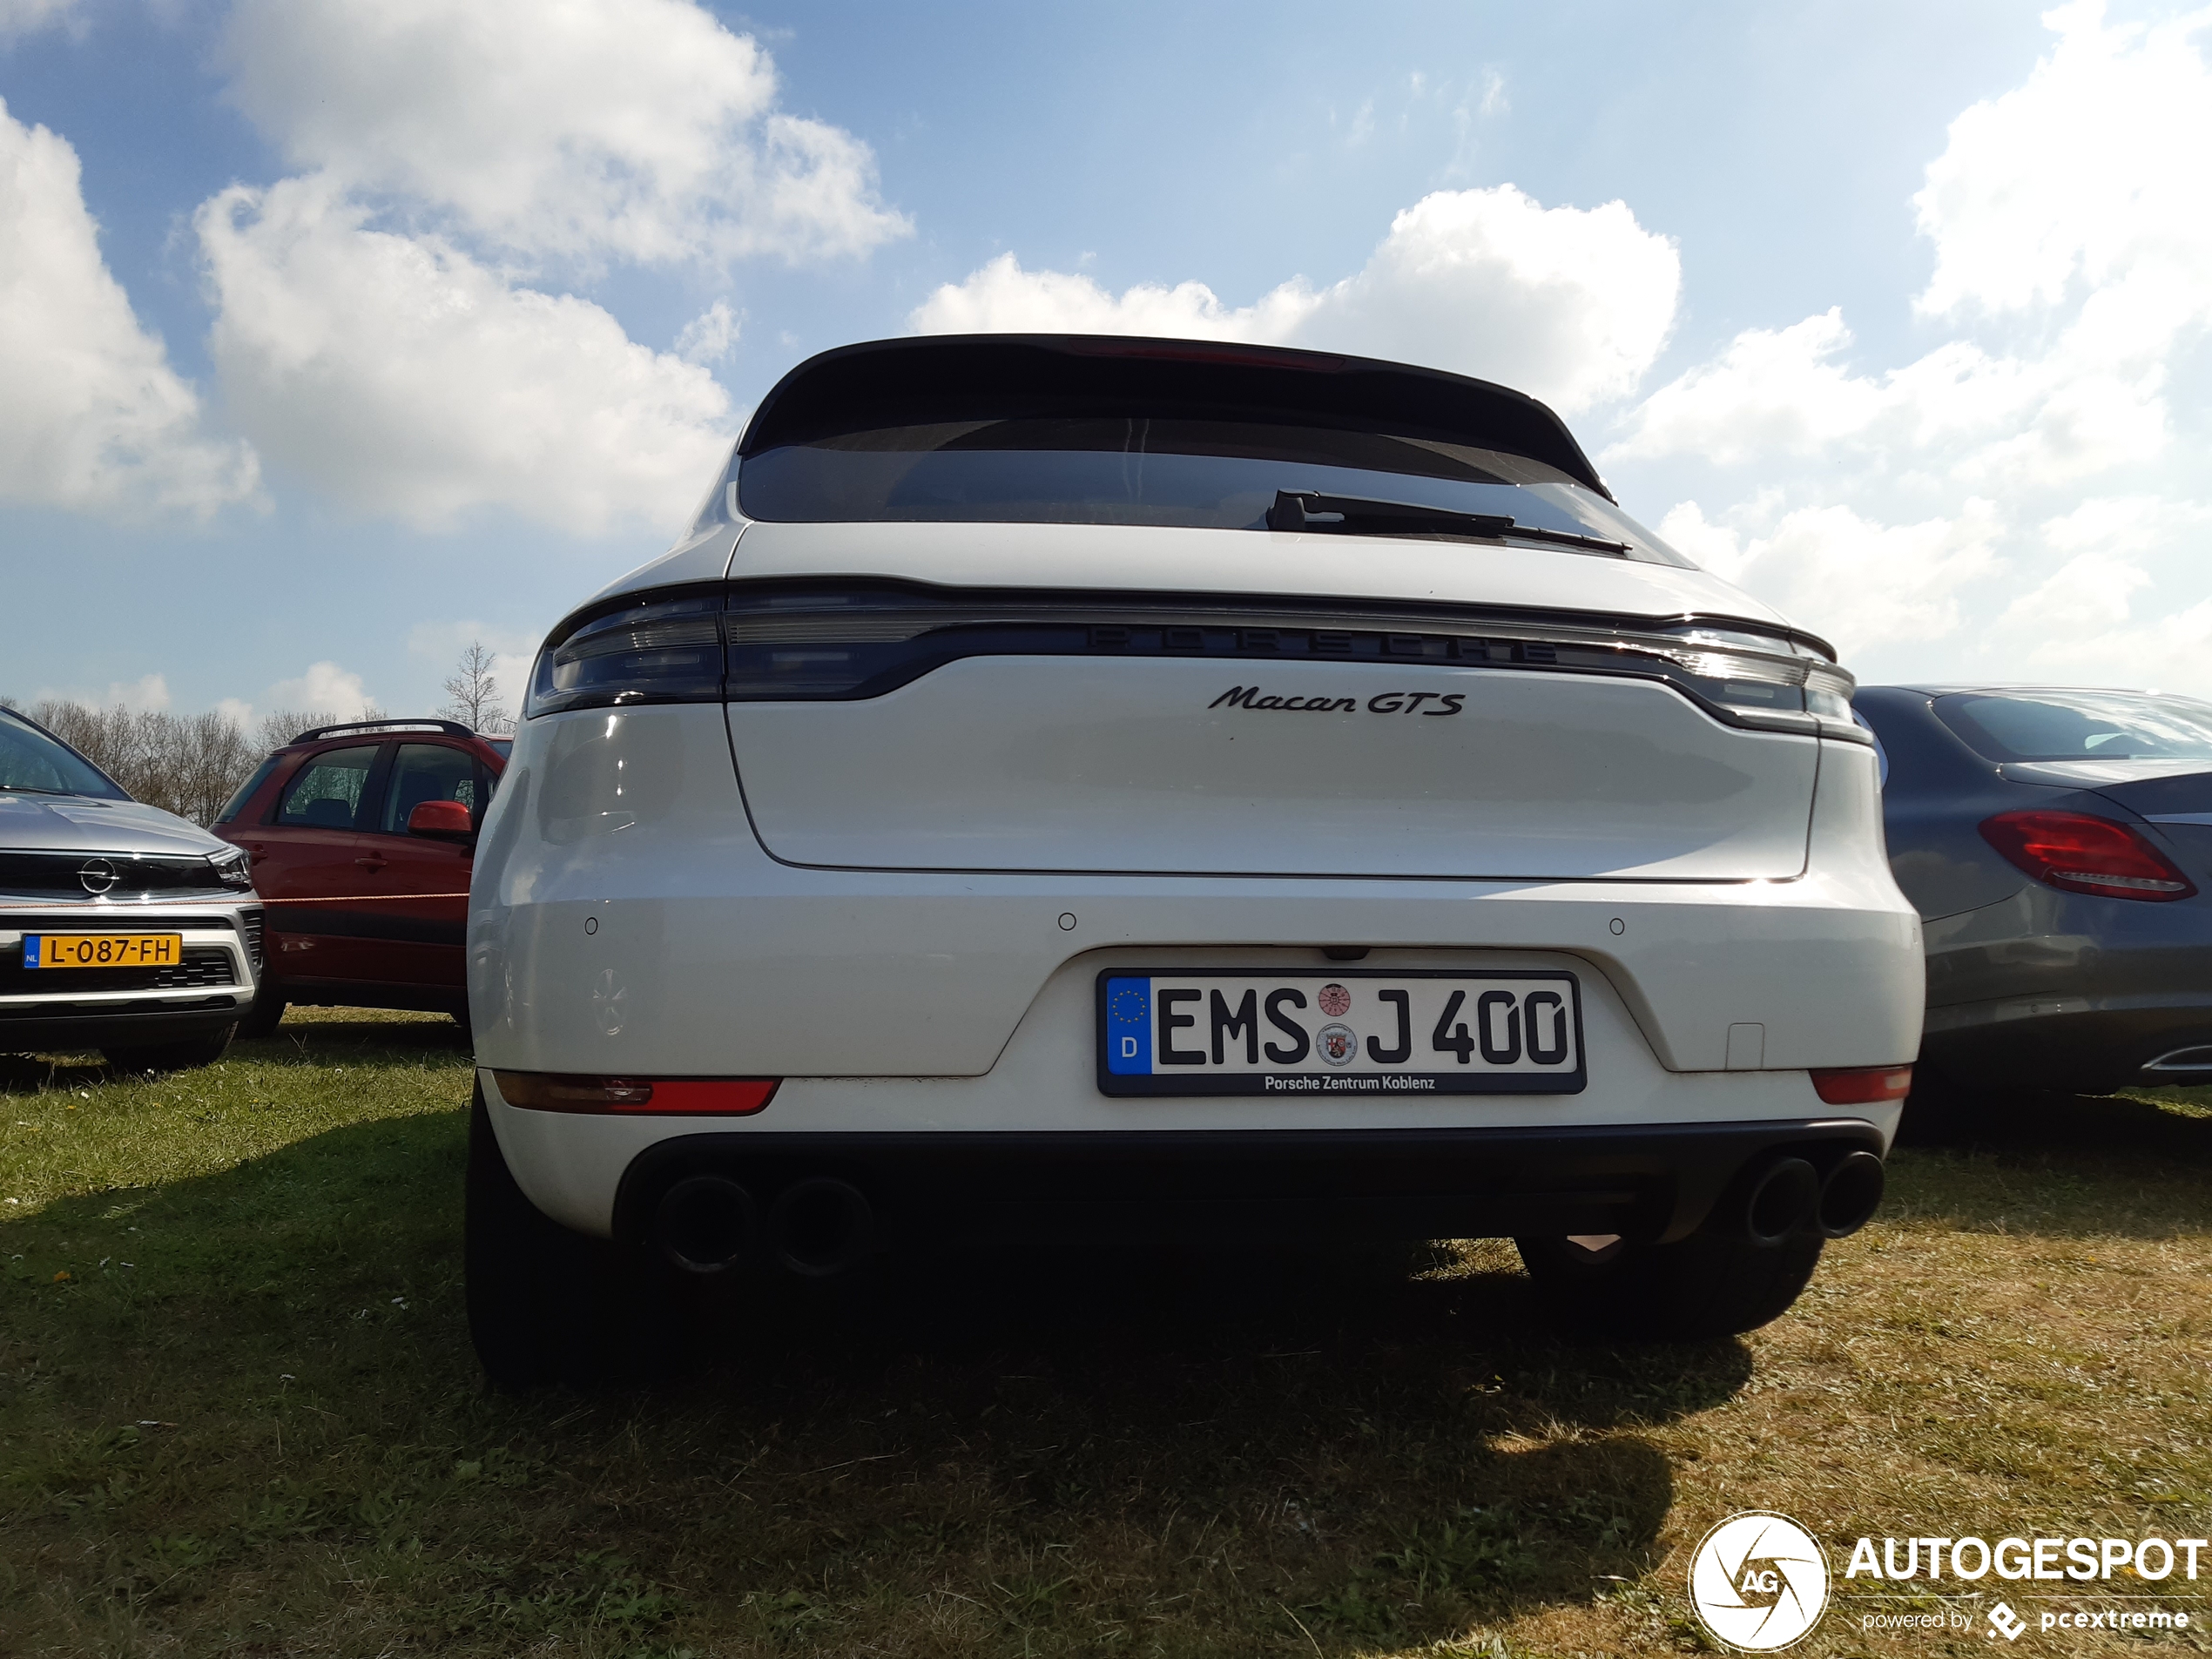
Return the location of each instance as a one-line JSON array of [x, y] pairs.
[[335, 334]]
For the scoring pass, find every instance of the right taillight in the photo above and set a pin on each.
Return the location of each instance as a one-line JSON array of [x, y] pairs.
[[2084, 855]]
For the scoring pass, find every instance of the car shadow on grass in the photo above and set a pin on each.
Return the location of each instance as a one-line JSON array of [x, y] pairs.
[[1221, 1451]]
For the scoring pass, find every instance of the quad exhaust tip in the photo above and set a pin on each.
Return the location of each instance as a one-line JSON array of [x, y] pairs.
[[816, 1228], [705, 1224], [1782, 1199], [1789, 1198], [1849, 1195], [820, 1226]]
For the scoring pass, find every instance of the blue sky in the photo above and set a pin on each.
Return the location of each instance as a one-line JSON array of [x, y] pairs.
[[333, 335]]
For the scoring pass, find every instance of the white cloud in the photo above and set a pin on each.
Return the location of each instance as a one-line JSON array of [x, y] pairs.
[[404, 377], [638, 129], [324, 689], [2094, 169], [2079, 620], [709, 336], [149, 692], [2070, 227], [1858, 583], [92, 417], [26, 16], [1569, 304]]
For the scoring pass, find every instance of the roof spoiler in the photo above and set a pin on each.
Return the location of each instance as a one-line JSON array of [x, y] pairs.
[[942, 378]]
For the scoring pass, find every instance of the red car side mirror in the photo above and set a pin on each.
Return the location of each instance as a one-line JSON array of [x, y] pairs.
[[443, 820]]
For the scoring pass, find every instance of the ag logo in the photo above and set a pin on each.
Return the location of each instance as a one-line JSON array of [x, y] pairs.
[[1759, 1581]]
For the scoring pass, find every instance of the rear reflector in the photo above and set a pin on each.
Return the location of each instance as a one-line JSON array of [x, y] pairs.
[[555, 1092], [1862, 1086], [2079, 854]]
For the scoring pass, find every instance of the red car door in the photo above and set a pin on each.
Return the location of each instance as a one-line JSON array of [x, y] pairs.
[[418, 886], [305, 864]]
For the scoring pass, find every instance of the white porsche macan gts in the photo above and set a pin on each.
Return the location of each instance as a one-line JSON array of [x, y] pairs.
[[1093, 789]]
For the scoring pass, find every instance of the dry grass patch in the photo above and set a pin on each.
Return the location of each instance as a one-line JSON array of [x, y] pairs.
[[265, 1435]]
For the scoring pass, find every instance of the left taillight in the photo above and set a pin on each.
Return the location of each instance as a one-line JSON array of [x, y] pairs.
[[546, 1091], [2079, 854], [1863, 1085], [665, 648]]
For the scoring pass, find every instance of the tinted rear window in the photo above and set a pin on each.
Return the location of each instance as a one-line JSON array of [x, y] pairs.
[[1211, 473], [2079, 725]]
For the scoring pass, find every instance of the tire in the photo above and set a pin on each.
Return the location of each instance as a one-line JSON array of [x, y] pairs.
[[262, 1018], [547, 1304], [1703, 1287], [171, 1057]]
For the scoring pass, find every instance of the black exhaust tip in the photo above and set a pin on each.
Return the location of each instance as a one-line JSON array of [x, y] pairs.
[[1782, 1199], [1851, 1195], [705, 1224], [820, 1226]]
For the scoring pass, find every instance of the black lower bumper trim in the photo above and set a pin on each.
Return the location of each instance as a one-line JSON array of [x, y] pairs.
[[1655, 1183], [128, 1027]]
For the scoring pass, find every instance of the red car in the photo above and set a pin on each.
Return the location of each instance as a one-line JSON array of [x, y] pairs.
[[361, 838]]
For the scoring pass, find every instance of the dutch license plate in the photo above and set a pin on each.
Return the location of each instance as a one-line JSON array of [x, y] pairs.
[[1353, 1031], [102, 950]]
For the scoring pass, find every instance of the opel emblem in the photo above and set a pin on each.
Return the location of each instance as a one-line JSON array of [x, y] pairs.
[[98, 875]]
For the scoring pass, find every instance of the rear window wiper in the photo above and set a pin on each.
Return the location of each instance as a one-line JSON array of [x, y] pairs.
[[1309, 509]]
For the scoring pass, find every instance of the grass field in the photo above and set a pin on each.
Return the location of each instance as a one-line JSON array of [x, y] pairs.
[[238, 1412]]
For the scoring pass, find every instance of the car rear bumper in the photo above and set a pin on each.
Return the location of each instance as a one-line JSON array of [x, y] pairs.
[[2073, 1041], [1649, 1184], [1658, 1183]]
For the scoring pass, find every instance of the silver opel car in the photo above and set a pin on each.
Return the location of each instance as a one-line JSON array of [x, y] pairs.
[[123, 927]]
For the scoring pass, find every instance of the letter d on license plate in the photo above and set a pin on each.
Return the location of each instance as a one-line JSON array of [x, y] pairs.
[[1355, 1031]]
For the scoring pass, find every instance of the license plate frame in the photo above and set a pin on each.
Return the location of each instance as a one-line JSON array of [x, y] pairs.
[[54, 952], [1360, 1077]]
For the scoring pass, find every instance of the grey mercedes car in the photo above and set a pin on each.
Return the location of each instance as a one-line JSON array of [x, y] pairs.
[[2057, 843], [123, 927]]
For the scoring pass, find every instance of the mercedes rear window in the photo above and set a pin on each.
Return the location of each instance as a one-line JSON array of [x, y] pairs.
[[1209, 474], [2079, 725]]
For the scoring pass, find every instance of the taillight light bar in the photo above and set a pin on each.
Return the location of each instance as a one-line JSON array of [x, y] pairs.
[[545, 1091], [2081, 854], [1863, 1085]]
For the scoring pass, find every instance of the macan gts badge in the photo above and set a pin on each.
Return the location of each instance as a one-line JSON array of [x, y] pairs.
[[1077, 789]]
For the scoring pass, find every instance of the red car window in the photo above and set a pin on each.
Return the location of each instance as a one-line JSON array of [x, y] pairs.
[[428, 771], [326, 791]]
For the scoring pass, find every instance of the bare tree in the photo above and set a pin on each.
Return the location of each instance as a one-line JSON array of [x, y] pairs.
[[472, 693], [278, 726], [189, 764]]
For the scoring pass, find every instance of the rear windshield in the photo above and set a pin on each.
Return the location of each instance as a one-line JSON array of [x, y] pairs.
[[35, 764], [1210, 474], [2079, 725]]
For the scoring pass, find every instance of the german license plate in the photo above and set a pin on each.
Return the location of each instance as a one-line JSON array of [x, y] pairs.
[[102, 950], [1353, 1031]]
